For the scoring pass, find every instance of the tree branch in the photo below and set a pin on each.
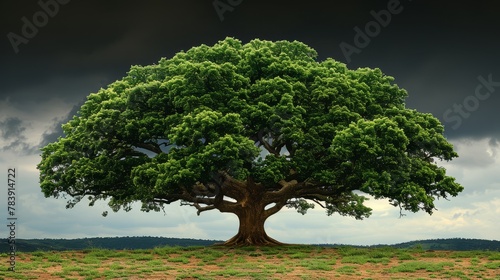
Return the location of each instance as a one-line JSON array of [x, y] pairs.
[[286, 191], [199, 207], [229, 186], [153, 147], [215, 202], [169, 199], [319, 202], [275, 209], [268, 147]]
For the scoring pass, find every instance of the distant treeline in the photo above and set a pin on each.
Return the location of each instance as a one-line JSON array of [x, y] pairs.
[[455, 244], [452, 244], [145, 242], [117, 243]]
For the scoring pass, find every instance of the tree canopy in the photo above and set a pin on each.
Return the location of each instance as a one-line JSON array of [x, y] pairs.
[[249, 129]]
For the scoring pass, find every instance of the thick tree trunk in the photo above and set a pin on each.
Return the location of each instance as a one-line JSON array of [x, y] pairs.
[[250, 207], [251, 231]]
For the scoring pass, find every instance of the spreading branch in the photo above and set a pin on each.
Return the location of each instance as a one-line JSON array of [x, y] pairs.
[[153, 147], [266, 144]]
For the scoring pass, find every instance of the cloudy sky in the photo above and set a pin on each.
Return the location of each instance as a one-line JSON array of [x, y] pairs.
[[55, 53]]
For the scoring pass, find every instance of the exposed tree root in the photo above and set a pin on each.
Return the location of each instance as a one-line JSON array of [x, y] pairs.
[[241, 240]]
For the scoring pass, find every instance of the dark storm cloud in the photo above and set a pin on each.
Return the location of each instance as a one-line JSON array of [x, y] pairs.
[[89, 37], [56, 130], [11, 128], [20, 147], [435, 50], [12, 133]]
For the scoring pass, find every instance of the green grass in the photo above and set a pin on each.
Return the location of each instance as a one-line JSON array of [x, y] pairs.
[[405, 256], [298, 255], [183, 260], [346, 269], [413, 266], [316, 264], [494, 257], [357, 259], [302, 262], [492, 265]]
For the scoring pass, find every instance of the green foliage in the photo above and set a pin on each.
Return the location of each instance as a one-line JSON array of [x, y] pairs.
[[263, 112]]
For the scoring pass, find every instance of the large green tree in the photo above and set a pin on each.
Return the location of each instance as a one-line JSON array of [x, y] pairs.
[[249, 129]]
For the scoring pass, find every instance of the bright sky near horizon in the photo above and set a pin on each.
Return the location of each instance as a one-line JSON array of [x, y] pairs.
[[54, 53]]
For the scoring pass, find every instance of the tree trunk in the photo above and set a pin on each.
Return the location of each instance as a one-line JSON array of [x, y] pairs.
[[252, 214], [251, 231]]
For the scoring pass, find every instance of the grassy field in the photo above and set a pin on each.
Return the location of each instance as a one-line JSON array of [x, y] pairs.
[[288, 262]]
